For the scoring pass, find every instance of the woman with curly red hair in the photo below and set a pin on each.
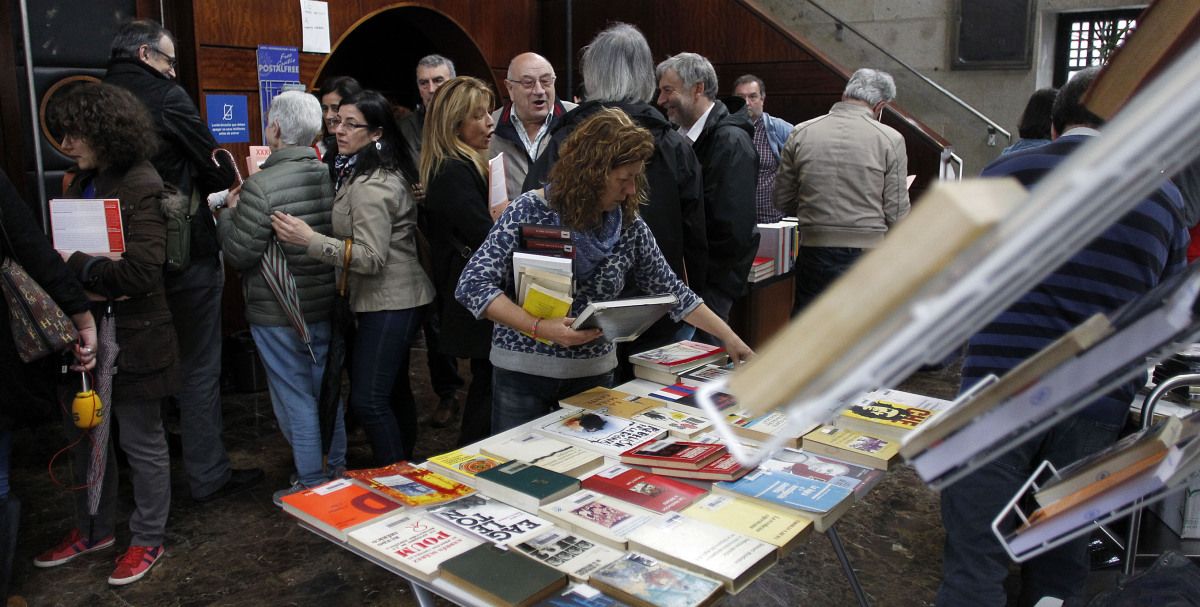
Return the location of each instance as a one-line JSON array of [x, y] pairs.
[[595, 189]]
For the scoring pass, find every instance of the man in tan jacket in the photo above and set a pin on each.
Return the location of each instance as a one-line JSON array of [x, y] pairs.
[[842, 175]]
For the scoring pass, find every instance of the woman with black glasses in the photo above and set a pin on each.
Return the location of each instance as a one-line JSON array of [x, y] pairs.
[[374, 214]]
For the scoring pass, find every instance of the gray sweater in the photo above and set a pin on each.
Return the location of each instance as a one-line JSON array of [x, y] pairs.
[[293, 181]]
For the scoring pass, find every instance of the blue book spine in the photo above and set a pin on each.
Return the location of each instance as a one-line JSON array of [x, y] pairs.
[[788, 490]]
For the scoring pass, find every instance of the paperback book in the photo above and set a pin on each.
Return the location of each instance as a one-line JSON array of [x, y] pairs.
[[602, 518], [582, 595], [568, 552], [410, 485], [411, 543], [490, 520], [646, 489], [525, 486], [724, 468], [601, 432], [853, 447], [546, 452], [705, 373], [664, 365], [859, 479], [822, 502], [670, 453], [461, 465], [502, 576], [337, 507], [623, 320], [707, 549], [883, 418], [607, 400], [784, 530], [678, 423], [645, 581]]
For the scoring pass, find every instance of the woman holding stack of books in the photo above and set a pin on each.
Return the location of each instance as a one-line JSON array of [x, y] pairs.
[[454, 145], [594, 190], [375, 215]]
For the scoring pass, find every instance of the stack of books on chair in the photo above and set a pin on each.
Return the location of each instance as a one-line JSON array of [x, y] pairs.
[[607, 499], [778, 242], [761, 269]]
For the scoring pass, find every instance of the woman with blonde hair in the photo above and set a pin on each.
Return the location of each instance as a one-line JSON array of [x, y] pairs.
[[595, 190], [454, 143]]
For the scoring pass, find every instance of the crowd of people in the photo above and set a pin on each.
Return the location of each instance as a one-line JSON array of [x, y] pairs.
[[362, 231]]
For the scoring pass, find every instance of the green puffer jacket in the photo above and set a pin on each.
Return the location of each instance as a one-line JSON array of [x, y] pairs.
[[293, 181]]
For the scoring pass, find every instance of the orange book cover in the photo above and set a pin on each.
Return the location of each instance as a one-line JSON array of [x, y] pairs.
[[337, 506], [411, 485]]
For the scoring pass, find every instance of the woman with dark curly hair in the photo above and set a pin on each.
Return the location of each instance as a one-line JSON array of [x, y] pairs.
[[110, 136], [375, 214], [595, 190], [458, 127]]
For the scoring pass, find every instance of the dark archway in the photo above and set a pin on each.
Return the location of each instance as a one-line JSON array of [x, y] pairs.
[[381, 51]]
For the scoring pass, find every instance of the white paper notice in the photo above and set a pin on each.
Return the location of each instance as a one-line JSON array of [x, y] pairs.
[[497, 192], [314, 17], [91, 226]]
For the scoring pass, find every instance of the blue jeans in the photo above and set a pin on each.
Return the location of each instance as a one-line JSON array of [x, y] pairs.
[[521, 397], [974, 564], [295, 383], [817, 268], [380, 354]]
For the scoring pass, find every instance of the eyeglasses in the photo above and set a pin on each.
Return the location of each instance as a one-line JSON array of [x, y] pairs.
[[528, 83], [171, 61], [338, 122]]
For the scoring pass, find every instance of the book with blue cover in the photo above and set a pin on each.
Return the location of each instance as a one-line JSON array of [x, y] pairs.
[[823, 502]]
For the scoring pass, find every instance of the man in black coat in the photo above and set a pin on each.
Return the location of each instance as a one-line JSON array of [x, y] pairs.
[[723, 142], [143, 61]]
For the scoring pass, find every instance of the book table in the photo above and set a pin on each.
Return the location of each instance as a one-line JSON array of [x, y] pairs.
[[425, 591]]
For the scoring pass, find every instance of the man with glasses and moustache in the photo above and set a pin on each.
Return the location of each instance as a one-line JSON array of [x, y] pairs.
[[143, 61]]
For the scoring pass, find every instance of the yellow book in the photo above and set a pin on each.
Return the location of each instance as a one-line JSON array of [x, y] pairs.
[[461, 465], [774, 527], [852, 447], [614, 402], [545, 303]]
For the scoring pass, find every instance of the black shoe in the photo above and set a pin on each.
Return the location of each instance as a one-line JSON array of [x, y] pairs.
[[239, 479], [444, 412]]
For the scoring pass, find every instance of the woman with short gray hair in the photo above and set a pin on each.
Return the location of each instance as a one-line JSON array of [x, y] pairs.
[[295, 182]]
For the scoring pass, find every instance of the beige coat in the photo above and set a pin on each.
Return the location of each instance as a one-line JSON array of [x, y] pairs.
[[377, 211], [842, 175]]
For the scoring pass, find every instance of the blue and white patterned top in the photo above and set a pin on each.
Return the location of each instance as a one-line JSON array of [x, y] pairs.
[[489, 274]]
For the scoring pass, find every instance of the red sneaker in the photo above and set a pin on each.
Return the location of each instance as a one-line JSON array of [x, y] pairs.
[[134, 564], [72, 546]]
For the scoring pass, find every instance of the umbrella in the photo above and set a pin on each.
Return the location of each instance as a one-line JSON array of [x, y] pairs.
[[106, 359], [274, 269], [341, 331]]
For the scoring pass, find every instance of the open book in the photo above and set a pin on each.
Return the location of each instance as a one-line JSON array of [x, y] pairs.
[[624, 319]]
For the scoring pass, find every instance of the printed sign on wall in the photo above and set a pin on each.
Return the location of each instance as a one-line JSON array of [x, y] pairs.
[[228, 118], [277, 66]]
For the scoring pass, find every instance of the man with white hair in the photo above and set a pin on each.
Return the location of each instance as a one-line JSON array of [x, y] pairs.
[[523, 124], [842, 175], [295, 182], [723, 142]]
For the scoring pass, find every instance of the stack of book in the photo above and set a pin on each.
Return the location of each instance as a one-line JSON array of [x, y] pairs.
[[761, 269], [554, 241], [682, 459], [778, 242], [664, 365], [543, 284]]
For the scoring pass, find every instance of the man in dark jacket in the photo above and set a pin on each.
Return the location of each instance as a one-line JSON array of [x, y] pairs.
[[524, 124], [723, 141], [143, 61], [618, 70]]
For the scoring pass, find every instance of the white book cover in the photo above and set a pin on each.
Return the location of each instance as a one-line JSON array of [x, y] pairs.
[[412, 543], [568, 552], [705, 548], [551, 454], [490, 519], [606, 434], [606, 519], [678, 423], [93, 226]]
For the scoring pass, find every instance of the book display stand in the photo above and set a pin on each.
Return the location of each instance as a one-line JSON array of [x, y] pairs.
[[1103, 180]]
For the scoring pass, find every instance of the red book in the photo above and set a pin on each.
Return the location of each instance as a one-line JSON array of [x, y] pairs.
[[533, 230], [674, 454], [725, 468], [650, 491], [337, 507]]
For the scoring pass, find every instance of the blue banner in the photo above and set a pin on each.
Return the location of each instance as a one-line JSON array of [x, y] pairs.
[[277, 66], [228, 118]]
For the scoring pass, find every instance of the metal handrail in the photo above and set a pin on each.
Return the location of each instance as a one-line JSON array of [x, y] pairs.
[[941, 89]]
